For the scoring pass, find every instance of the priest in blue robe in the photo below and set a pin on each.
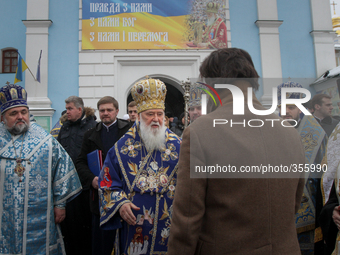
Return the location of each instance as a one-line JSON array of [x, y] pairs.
[[37, 178], [138, 179], [314, 140]]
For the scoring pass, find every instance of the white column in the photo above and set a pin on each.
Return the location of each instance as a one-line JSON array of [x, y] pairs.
[[323, 36], [268, 25], [37, 25]]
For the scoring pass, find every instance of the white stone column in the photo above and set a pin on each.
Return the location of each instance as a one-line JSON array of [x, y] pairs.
[[323, 36], [268, 25], [37, 25]]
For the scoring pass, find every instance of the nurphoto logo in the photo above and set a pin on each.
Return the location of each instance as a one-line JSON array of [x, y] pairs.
[[239, 102]]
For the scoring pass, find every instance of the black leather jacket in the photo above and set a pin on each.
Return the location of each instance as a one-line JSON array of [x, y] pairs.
[[71, 133]]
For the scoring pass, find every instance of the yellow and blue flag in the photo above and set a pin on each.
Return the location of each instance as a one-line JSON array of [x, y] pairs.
[[56, 129], [20, 69]]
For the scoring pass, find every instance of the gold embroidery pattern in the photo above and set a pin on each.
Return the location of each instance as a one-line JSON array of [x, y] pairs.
[[152, 180], [122, 167], [171, 136], [167, 212], [133, 167], [308, 140], [115, 211], [334, 135], [132, 132], [171, 188], [110, 198], [131, 147], [170, 152], [154, 233], [141, 166]]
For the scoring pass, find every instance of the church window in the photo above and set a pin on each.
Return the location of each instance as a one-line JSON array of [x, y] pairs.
[[9, 61]]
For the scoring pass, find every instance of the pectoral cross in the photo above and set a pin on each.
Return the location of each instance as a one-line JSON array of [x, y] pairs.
[[19, 169]]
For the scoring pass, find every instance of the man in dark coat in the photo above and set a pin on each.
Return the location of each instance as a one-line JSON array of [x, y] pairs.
[[178, 129], [322, 105], [102, 137], [76, 227], [329, 220]]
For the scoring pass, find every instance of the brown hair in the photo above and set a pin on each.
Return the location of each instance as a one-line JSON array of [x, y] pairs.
[[132, 104], [317, 99], [108, 100], [229, 63]]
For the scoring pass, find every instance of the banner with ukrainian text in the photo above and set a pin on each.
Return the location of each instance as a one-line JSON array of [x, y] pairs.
[[153, 24]]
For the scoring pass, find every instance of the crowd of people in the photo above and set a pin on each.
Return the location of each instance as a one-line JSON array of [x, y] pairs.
[[125, 186]]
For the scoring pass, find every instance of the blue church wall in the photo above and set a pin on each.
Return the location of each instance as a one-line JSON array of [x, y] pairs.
[[63, 54], [13, 33], [296, 42], [244, 32]]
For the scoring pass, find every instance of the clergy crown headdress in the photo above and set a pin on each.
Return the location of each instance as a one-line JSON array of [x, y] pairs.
[[212, 7], [149, 94], [289, 84], [12, 95]]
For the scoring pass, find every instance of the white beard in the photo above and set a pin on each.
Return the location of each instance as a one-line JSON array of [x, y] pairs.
[[211, 20], [153, 138]]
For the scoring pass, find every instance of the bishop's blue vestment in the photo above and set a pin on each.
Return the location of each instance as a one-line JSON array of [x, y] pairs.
[[147, 179]]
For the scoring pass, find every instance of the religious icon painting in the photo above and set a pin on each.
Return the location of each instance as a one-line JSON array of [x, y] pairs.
[[142, 183], [163, 180], [146, 218], [140, 88], [24, 94], [14, 93], [107, 180], [2, 98]]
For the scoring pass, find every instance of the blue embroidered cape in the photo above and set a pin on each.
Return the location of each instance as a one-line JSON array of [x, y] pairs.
[[314, 140], [148, 180], [27, 223]]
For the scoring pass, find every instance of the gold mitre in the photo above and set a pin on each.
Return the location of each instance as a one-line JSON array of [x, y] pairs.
[[149, 94], [212, 7]]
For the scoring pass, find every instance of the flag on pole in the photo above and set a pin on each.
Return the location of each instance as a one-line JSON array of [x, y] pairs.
[[20, 69], [38, 69]]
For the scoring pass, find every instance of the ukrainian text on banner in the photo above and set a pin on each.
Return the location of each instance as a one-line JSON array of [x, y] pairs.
[[152, 24]]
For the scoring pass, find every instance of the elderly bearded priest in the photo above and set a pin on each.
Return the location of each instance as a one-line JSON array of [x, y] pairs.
[[37, 178], [137, 182]]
